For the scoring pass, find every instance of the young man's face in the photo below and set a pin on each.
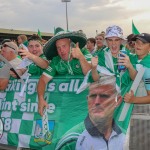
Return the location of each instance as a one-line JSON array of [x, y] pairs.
[[90, 45], [63, 48], [101, 102], [141, 49], [99, 41], [114, 45], [35, 48]]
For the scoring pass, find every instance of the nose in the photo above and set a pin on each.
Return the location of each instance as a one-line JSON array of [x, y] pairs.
[[113, 42], [62, 50], [97, 99], [34, 48]]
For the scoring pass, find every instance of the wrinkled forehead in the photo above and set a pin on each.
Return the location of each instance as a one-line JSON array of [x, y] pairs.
[[113, 38], [107, 88], [65, 40], [34, 42], [99, 36]]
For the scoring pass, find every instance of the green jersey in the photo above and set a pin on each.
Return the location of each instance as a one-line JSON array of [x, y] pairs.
[[34, 69], [96, 53], [60, 67]]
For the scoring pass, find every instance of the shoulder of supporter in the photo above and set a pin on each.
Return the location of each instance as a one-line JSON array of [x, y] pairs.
[[4, 72], [15, 62], [86, 54], [69, 139], [43, 56], [56, 60]]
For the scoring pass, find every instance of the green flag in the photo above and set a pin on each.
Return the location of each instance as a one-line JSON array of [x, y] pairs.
[[39, 33], [134, 29], [54, 30]]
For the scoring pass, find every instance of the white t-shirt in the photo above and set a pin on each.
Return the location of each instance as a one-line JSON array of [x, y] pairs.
[[4, 71]]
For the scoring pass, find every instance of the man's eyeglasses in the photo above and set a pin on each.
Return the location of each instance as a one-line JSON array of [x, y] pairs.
[[5, 45], [132, 43]]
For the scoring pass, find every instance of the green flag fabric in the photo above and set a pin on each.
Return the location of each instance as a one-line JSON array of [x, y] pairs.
[[134, 29], [23, 126], [39, 33]]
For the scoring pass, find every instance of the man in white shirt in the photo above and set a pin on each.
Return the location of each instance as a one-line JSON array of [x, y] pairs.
[[9, 52]]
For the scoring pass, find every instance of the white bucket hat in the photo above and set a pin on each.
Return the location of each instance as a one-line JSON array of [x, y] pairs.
[[114, 31]]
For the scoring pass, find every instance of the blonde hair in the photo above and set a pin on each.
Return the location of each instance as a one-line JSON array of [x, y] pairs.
[[100, 34], [23, 37]]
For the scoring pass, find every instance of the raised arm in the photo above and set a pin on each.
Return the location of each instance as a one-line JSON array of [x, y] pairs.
[[42, 63], [94, 62], [3, 83], [41, 90], [126, 62], [85, 65], [130, 98], [4, 77]]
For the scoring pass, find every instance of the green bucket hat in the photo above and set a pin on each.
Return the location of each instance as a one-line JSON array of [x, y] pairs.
[[50, 50]]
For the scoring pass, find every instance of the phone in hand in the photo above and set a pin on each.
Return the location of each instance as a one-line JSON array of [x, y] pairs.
[[72, 45], [22, 46], [122, 67]]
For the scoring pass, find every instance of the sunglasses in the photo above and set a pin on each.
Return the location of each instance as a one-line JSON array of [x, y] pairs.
[[5, 45], [131, 43]]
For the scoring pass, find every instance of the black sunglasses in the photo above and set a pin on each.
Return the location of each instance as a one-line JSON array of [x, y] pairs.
[[5, 45], [131, 43]]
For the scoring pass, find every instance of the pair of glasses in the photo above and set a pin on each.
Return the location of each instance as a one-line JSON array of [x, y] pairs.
[[131, 43], [5, 45]]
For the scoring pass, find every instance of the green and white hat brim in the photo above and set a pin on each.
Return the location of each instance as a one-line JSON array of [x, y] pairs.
[[50, 50]]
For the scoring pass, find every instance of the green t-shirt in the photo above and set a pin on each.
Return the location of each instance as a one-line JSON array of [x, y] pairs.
[[96, 53], [61, 67], [34, 69]]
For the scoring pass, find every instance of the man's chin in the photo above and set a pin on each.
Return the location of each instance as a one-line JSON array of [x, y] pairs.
[[98, 116], [64, 58], [114, 51], [100, 121]]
